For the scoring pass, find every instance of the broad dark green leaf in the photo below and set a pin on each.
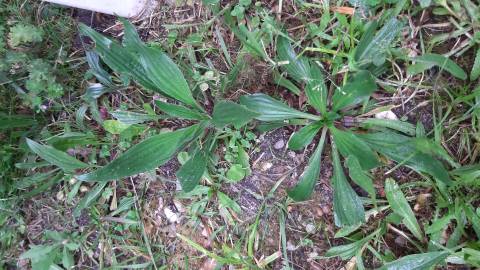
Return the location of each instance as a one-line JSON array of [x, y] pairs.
[[145, 156], [359, 176], [297, 67], [150, 67], [350, 144], [71, 140], [192, 171], [56, 157], [159, 68], [118, 57], [230, 113], [347, 207], [430, 60], [402, 149], [304, 188], [15, 121], [316, 90], [271, 109], [365, 43], [179, 111], [356, 90], [417, 261], [304, 136], [373, 49], [399, 205]]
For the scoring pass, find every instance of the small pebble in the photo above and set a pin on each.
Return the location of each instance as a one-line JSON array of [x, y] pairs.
[[266, 166], [171, 216], [60, 196], [279, 144], [310, 228], [83, 189]]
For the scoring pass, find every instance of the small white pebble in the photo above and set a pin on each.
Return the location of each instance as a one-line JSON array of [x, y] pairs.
[[83, 189], [171, 216], [266, 166], [310, 228], [279, 144], [72, 181], [60, 196], [389, 115]]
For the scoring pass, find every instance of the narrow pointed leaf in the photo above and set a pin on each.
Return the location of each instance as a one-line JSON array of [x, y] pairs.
[[347, 206], [280, 80], [402, 149], [297, 67], [15, 121], [178, 111], [132, 118], [150, 67], [360, 87], [373, 49], [417, 261], [56, 157], [145, 156], [475, 72], [304, 188], [303, 137], [359, 176], [401, 126], [270, 109], [399, 205], [349, 144], [192, 171], [230, 113], [429, 60], [316, 90]]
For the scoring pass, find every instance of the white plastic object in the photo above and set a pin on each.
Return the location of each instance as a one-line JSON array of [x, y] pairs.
[[122, 8]]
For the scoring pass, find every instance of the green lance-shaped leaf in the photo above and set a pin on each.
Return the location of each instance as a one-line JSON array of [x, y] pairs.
[[347, 207], [230, 113], [417, 261], [304, 188], [399, 205], [297, 67], [372, 49], [56, 157], [359, 176], [430, 60], [192, 171], [148, 66], [271, 109], [350, 144], [403, 149], [304, 136], [145, 156], [316, 90], [15, 121], [355, 91], [178, 111]]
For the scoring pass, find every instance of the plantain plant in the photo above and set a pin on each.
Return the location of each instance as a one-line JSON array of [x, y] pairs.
[[361, 142], [154, 70]]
